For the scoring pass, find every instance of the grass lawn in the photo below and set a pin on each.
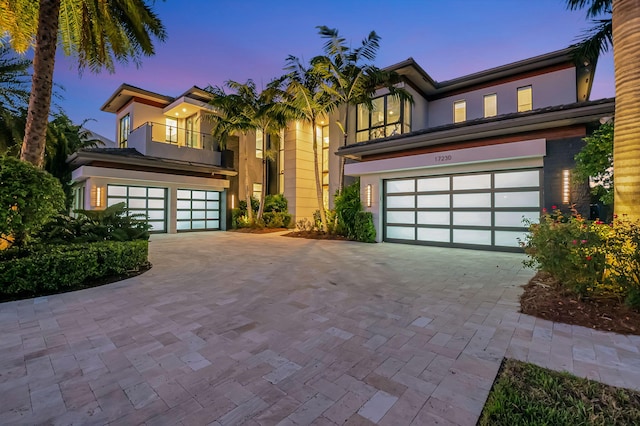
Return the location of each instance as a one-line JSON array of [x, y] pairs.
[[525, 394]]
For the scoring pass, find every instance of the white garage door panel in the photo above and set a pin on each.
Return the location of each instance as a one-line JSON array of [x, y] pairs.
[[438, 235], [476, 209], [401, 232]]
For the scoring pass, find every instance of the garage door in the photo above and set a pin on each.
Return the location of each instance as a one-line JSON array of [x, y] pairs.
[[149, 201], [478, 210], [198, 210]]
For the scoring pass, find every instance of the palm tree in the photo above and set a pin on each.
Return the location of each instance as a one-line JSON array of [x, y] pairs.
[[597, 39], [623, 34], [350, 78], [227, 120], [308, 102], [97, 33], [261, 113]]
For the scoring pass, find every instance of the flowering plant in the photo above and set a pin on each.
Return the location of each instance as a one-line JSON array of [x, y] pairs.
[[591, 258]]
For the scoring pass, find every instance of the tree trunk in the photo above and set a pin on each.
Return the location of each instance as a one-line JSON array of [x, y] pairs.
[[316, 167], [34, 141], [626, 140], [247, 184]]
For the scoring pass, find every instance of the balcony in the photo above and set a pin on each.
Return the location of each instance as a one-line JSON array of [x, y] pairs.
[[162, 141]]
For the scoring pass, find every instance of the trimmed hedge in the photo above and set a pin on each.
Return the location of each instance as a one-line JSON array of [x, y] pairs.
[[56, 268]]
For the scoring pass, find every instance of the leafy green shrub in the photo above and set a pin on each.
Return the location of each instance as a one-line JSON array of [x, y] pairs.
[[275, 213], [352, 221], [57, 267], [275, 219], [276, 203], [591, 258], [29, 198], [111, 224]]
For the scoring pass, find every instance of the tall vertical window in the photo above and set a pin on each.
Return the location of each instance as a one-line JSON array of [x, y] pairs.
[[389, 116], [459, 111], [325, 165], [259, 144], [190, 134], [490, 105], [281, 164], [124, 129], [525, 99], [171, 131], [257, 191]]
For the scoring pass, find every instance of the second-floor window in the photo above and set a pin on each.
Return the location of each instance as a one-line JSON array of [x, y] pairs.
[[389, 117], [171, 135], [490, 105], [459, 111], [124, 128], [259, 144], [525, 99]]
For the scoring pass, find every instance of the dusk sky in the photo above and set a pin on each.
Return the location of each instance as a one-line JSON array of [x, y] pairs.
[[210, 42]]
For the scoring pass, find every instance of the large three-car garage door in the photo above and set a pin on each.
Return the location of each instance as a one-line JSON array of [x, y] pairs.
[[476, 210]]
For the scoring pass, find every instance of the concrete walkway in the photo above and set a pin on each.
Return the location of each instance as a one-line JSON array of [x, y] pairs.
[[231, 329]]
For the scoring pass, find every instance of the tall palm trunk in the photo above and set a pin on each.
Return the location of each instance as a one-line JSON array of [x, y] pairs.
[[34, 141], [316, 167], [247, 187], [626, 146]]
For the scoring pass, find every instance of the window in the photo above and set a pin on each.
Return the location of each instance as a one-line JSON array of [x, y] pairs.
[[257, 191], [123, 130], [490, 105], [525, 99], [259, 144], [281, 164], [171, 130], [190, 134], [389, 116], [459, 111], [324, 163]]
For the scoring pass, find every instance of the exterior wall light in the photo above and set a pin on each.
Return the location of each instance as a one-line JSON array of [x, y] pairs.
[[97, 196], [566, 186], [233, 201], [369, 195]]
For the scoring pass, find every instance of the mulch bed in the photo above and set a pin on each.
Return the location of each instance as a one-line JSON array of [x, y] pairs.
[[257, 230], [315, 235], [545, 298]]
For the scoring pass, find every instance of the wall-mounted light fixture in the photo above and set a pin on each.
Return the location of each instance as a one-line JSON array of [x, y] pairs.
[[566, 186], [97, 196], [233, 201], [369, 195]]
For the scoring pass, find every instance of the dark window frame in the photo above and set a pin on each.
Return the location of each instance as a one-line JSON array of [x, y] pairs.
[[400, 123]]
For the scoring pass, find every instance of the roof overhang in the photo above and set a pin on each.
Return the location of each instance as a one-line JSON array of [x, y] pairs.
[[429, 87], [126, 92], [185, 106], [82, 158], [484, 129]]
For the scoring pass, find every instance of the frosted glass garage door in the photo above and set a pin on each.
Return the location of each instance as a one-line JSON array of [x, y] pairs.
[[144, 200], [481, 210], [198, 210]]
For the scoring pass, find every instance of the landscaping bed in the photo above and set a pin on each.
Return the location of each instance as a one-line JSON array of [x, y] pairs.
[[316, 235], [526, 394], [544, 297], [257, 230]]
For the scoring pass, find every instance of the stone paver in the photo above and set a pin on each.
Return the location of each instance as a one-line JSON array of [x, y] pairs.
[[233, 328]]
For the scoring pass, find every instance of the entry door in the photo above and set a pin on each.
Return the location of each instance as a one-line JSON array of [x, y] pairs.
[[475, 210]]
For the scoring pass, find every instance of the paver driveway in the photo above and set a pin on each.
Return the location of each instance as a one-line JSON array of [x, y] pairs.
[[231, 328]]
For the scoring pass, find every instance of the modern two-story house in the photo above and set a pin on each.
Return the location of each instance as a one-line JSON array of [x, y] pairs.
[[474, 156], [461, 166]]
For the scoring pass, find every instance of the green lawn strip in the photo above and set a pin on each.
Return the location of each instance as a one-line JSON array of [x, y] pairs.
[[525, 394]]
